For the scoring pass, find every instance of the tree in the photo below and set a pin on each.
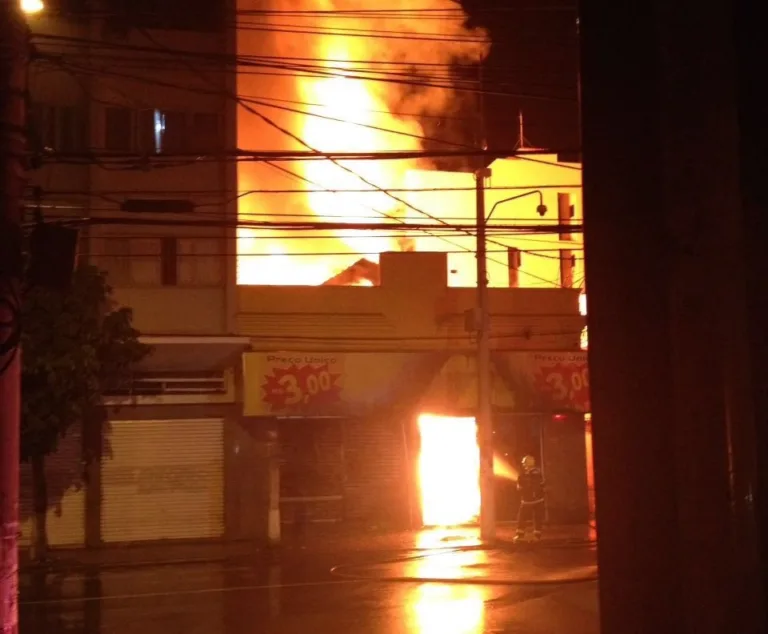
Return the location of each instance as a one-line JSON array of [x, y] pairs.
[[75, 345]]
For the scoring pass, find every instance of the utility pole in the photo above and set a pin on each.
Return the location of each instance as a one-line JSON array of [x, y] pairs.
[[13, 69], [484, 414]]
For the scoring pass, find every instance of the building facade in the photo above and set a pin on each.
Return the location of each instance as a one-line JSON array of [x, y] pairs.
[[131, 123], [339, 376], [266, 403]]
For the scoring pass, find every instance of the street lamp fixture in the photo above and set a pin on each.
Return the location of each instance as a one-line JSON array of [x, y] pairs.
[[541, 209], [31, 7]]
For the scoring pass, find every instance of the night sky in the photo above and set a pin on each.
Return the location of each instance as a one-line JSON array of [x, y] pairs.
[[534, 52]]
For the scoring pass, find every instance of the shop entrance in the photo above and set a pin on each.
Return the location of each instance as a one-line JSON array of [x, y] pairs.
[[448, 470], [311, 470]]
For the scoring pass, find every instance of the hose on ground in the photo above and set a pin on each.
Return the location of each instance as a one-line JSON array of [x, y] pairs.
[[346, 571]]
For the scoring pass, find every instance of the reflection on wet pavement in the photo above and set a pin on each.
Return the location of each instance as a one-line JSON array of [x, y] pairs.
[[298, 594], [444, 609]]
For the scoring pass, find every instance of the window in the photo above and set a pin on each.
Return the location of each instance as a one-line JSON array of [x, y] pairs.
[[145, 261], [175, 135], [155, 131], [169, 262], [57, 128], [194, 15], [131, 261], [42, 127], [200, 262], [147, 137], [165, 261], [115, 257], [205, 132], [118, 130], [71, 129]]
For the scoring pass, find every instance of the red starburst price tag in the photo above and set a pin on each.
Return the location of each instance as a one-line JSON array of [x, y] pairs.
[[301, 387], [566, 384]]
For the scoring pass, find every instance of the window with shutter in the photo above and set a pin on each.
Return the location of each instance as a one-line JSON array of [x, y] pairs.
[[205, 133], [118, 129], [145, 261], [200, 262], [175, 136]]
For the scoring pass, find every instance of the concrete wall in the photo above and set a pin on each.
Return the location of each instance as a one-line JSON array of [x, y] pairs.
[[134, 74], [413, 309]]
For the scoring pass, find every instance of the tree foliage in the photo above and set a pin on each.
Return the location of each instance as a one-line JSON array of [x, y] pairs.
[[76, 344]]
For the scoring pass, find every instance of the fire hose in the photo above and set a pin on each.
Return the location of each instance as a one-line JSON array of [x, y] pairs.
[[348, 571]]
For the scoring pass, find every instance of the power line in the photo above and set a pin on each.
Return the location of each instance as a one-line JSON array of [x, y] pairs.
[[395, 338], [365, 125], [331, 226], [196, 192], [335, 237], [414, 13], [322, 71]]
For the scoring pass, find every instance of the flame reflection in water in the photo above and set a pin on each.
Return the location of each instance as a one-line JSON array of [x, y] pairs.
[[441, 608], [444, 609]]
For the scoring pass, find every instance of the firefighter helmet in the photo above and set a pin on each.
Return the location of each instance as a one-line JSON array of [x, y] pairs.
[[529, 462]]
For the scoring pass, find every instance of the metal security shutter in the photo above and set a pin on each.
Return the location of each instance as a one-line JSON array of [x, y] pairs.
[[66, 496], [375, 471], [163, 479], [311, 470]]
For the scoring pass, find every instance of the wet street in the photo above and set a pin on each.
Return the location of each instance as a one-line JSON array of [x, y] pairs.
[[309, 591]]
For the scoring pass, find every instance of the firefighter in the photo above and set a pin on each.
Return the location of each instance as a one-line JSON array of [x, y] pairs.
[[530, 484]]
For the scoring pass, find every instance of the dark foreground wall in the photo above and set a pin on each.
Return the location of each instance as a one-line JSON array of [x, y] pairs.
[[674, 150]]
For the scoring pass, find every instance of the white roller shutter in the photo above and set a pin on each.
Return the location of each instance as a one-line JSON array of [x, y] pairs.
[[164, 479], [66, 511]]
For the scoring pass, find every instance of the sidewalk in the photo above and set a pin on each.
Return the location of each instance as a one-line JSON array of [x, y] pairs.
[[330, 538]]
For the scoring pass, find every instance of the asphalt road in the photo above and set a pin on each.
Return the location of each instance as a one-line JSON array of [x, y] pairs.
[[298, 594]]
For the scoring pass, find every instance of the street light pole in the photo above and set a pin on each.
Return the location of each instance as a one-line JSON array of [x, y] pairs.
[[484, 413]]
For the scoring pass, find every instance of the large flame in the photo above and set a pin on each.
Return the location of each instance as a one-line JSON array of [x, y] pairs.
[[449, 470], [342, 113]]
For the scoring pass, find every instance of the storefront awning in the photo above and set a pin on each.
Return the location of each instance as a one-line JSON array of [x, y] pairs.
[[192, 354]]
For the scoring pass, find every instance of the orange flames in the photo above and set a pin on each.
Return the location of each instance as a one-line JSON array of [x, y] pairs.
[[342, 113], [449, 470]]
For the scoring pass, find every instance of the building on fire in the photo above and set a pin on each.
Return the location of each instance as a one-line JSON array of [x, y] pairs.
[[346, 397], [347, 375], [351, 391]]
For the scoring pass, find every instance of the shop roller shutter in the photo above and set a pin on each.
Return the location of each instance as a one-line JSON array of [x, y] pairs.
[[66, 512], [163, 480], [375, 470]]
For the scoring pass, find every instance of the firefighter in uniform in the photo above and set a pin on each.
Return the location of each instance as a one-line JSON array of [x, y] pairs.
[[530, 484]]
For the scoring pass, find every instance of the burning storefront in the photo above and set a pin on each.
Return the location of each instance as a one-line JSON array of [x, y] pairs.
[[356, 390], [371, 393]]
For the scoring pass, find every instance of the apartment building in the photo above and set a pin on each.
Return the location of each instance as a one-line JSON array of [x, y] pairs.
[[131, 120]]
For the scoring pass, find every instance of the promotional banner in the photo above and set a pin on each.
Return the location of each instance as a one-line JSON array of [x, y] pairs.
[[362, 383], [546, 381], [333, 384], [304, 382]]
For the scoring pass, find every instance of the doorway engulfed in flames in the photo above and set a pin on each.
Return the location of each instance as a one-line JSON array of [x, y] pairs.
[[449, 470]]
